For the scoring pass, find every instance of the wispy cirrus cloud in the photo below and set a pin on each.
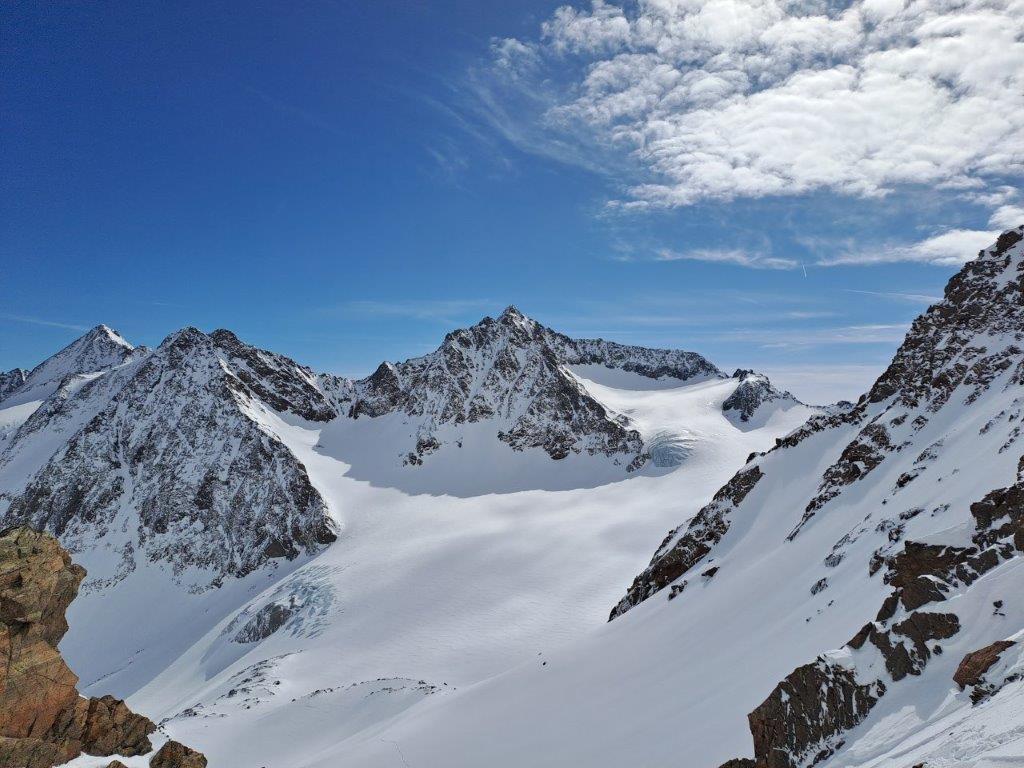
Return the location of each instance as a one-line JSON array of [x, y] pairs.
[[736, 256], [43, 322], [804, 338], [901, 296]]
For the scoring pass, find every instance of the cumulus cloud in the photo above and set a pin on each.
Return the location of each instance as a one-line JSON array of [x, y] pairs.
[[722, 99]]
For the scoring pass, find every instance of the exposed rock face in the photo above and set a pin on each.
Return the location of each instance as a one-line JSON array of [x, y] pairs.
[[798, 724], [277, 380], [10, 381], [264, 623], [682, 549], [175, 755], [753, 391], [43, 720], [974, 665], [983, 298], [924, 573]]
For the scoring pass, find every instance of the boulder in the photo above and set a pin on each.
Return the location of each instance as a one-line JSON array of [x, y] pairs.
[[175, 755]]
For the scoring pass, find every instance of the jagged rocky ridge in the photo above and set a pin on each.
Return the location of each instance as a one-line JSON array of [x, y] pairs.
[[955, 381], [512, 371], [166, 453], [43, 719], [754, 390], [166, 444]]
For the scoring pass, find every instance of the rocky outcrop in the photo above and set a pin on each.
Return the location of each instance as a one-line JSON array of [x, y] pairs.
[[981, 299], [175, 755], [753, 391], [925, 573], [682, 549], [43, 720], [975, 664], [10, 381], [800, 722]]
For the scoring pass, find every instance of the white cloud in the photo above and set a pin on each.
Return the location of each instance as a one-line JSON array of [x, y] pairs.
[[1007, 216], [752, 259], [949, 249], [719, 99]]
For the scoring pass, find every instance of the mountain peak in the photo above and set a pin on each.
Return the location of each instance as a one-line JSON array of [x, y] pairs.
[[104, 333], [98, 349]]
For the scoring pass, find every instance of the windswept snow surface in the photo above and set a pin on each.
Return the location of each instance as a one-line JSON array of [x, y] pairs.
[[444, 575]]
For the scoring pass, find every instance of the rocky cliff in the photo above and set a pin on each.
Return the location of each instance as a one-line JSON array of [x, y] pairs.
[[43, 720]]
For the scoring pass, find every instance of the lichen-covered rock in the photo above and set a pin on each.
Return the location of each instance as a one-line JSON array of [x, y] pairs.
[[175, 755], [37, 583]]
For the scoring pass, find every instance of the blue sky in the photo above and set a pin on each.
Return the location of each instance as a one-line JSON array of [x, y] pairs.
[[344, 182]]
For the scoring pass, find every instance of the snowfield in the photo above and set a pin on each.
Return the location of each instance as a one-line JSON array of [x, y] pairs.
[[424, 595]]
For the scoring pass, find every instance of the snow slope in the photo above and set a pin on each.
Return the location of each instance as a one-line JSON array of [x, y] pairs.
[[426, 593], [832, 589]]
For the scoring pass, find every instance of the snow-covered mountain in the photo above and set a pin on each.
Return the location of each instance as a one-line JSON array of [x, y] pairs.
[[514, 373], [851, 597], [439, 520], [170, 444]]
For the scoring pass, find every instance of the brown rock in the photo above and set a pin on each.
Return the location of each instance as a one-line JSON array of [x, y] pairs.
[[116, 764], [37, 583], [976, 663], [111, 728], [43, 720], [739, 762], [797, 723], [29, 753], [175, 755]]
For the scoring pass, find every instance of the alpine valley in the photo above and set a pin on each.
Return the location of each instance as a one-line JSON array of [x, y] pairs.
[[293, 569]]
